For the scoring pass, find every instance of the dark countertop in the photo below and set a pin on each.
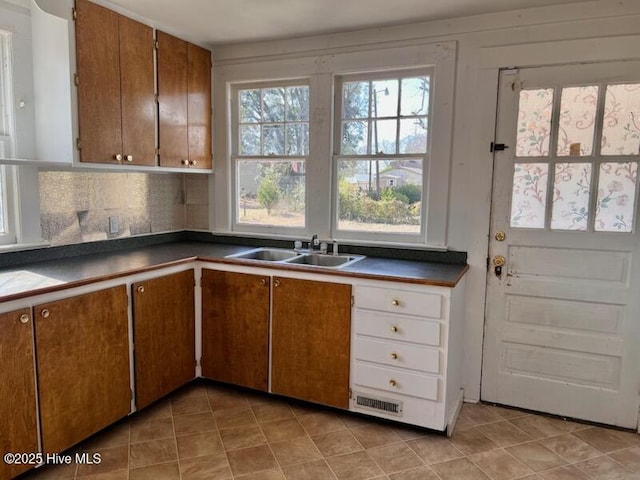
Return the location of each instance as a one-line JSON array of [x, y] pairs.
[[52, 275]]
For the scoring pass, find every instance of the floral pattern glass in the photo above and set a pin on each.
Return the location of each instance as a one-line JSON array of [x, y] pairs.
[[529, 195], [616, 197], [577, 120], [571, 188], [534, 123], [621, 123]]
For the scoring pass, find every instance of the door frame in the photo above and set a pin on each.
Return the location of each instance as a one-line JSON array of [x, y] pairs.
[[491, 61]]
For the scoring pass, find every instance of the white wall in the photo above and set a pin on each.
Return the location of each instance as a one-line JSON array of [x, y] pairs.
[[590, 31]]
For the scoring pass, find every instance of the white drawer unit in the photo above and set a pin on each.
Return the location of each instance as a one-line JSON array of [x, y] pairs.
[[397, 327], [398, 381], [406, 354], [400, 301], [399, 355]]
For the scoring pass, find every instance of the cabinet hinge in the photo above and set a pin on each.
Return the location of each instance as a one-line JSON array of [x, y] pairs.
[[131, 393], [74, 13], [156, 98], [76, 79], [155, 44], [353, 301], [350, 393], [78, 143], [157, 151]]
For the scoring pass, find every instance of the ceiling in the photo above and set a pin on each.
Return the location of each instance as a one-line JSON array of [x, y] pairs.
[[217, 22]]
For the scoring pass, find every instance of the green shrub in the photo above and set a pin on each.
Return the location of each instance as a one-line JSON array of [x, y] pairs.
[[268, 194]]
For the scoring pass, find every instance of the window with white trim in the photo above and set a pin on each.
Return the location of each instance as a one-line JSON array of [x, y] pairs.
[[382, 153], [269, 155], [395, 158], [7, 149]]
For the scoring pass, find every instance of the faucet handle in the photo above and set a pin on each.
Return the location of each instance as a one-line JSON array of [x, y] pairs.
[[297, 245], [323, 248]]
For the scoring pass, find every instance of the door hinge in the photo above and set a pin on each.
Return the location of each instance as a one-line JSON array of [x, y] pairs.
[[488, 264], [74, 13], [350, 393], [76, 79], [78, 143], [497, 147], [131, 393], [353, 301]]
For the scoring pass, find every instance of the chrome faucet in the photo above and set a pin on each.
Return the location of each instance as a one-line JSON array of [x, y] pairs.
[[314, 244]]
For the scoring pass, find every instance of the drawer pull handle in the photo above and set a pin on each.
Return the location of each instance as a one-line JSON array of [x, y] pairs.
[[392, 383], [395, 303], [394, 356], [44, 313], [394, 329], [24, 318]]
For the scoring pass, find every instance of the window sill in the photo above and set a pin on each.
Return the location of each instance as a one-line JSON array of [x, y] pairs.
[[17, 247]]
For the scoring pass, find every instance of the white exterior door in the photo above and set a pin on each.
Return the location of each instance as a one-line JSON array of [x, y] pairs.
[[562, 331]]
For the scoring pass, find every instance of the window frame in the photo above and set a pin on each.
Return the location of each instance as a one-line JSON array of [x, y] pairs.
[[236, 157], [7, 203], [338, 156], [320, 68]]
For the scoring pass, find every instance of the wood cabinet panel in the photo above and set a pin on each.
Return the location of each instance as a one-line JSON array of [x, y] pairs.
[[235, 328], [172, 100], [164, 335], [18, 429], [83, 365], [99, 112], [138, 92], [199, 105], [311, 329]]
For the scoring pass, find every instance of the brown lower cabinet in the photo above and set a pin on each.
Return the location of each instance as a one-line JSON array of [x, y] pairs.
[[18, 429], [164, 335], [310, 340], [83, 365], [235, 328]]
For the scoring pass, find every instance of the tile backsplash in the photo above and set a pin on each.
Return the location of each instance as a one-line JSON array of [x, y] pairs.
[[76, 207]]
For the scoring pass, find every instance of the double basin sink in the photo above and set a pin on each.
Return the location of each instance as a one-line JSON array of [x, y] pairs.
[[291, 257]]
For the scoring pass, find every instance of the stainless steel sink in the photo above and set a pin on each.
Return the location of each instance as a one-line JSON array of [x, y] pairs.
[[266, 254], [324, 260], [291, 257]]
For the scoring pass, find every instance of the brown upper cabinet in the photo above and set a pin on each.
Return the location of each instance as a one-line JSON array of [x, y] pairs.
[[184, 101], [116, 87]]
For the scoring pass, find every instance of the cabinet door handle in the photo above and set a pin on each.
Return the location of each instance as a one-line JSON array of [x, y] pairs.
[[45, 313], [129, 158], [392, 383], [263, 281], [395, 302], [276, 283], [140, 289], [185, 163], [24, 318], [118, 157], [193, 163]]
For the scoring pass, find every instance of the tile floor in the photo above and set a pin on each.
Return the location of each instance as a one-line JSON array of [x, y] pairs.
[[211, 432]]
